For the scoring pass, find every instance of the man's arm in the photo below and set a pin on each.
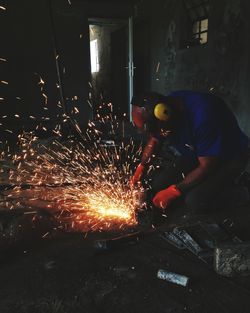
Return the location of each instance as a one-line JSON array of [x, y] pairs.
[[205, 167], [164, 197], [148, 152]]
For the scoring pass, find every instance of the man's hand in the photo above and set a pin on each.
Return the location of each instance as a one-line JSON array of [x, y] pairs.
[[137, 175], [164, 197]]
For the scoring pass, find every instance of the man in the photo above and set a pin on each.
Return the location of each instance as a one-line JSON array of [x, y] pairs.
[[202, 132]]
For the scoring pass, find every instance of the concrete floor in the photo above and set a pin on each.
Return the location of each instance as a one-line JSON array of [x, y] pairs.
[[49, 270], [63, 273]]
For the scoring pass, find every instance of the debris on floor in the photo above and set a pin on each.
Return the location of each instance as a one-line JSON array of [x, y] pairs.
[[232, 259], [173, 277], [200, 239]]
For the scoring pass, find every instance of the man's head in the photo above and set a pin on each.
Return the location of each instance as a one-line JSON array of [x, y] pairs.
[[150, 109]]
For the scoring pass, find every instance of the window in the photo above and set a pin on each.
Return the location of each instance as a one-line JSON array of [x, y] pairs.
[[94, 56], [197, 14], [200, 29]]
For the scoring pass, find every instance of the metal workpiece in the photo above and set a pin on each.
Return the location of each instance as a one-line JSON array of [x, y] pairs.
[[171, 238], [173, 277], [189, 242]]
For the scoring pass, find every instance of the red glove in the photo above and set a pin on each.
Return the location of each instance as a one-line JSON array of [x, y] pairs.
[[137, 175], [164, 197]]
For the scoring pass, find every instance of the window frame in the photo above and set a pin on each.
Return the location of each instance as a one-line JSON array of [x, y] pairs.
[[194, 16], [200, 31]]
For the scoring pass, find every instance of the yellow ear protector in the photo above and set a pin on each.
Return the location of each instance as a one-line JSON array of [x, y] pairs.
[[162, 112]]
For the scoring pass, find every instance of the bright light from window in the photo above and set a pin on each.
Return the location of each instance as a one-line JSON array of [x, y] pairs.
[[200, 31], [94, 56]]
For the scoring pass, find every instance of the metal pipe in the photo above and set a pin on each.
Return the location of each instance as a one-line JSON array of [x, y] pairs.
[[130, 65]]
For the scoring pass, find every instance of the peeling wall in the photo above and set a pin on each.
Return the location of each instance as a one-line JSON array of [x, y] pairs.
[[221, 65]]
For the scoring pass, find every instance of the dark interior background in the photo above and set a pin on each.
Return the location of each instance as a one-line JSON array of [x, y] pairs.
[[32, 30]]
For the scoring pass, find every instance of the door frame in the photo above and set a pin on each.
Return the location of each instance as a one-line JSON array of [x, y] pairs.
[[130, 52]]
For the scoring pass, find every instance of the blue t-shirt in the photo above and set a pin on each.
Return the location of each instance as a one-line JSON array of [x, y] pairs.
[[208, 128]]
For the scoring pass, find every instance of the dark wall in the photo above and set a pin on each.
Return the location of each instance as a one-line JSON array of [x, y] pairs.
[[221, 66], [72, 40], [142, 39], [26, 43]]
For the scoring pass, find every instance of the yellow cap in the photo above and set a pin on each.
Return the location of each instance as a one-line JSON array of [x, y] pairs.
[[161, 112]]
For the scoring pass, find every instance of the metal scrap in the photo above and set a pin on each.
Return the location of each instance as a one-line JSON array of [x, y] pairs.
[[189, 242], [232, 259], [173, 277], [171, 238], [200, 239]]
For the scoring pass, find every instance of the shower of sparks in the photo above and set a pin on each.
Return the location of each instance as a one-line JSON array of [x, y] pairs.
[[85, 183]]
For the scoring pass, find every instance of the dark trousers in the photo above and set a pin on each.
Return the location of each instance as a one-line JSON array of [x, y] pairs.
[[208, 194]]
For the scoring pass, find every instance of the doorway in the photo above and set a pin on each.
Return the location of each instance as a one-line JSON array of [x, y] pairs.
[[110, 75]]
